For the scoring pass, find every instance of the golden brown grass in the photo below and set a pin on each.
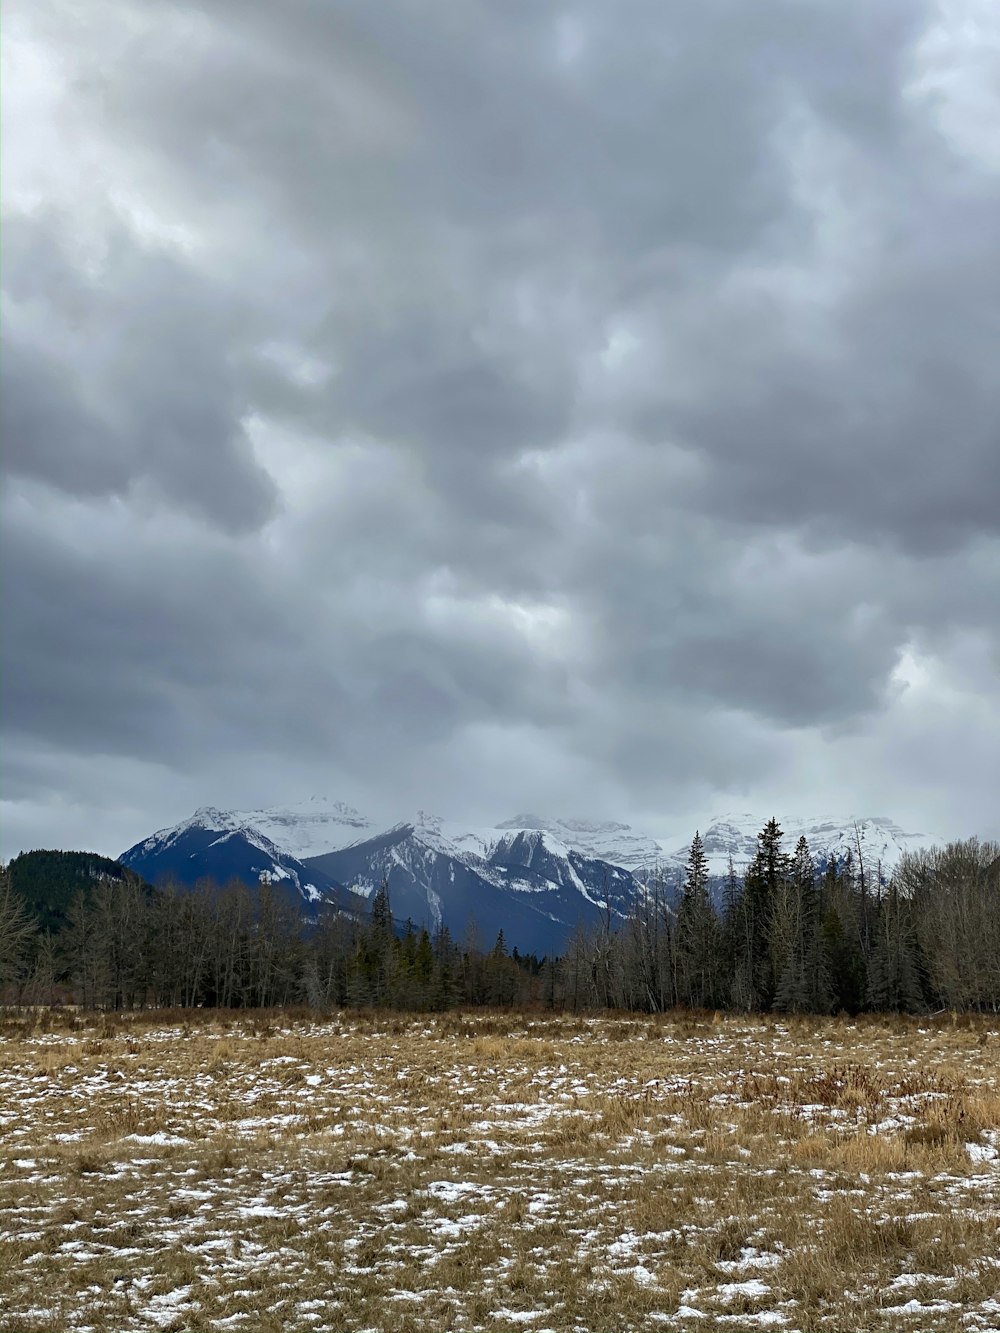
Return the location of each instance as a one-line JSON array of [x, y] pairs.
[[496, 1170]]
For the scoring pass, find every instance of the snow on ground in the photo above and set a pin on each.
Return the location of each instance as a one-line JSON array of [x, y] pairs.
[[499, 1171]]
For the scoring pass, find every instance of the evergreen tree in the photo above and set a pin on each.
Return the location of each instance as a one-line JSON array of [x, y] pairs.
[[501, 978], [445, 988], [423, 968], [737, 943], [803, 983], [576, 971], [763, 886], [697, 935], [382, 912], [894, 971], [842, 961]]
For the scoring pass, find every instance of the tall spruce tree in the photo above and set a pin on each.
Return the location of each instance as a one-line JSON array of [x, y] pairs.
[[445, 985], [841, 935], [763, 887], [698, 942], [737, 942], [803, 984], [373, 966], [894, 970]]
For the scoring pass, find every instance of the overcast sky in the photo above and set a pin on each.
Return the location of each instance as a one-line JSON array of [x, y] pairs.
[[591, 409]]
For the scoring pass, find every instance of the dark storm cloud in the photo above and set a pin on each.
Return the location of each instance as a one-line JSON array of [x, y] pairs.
[[184, 647], [887, 429], [610, 394], [135, 384]]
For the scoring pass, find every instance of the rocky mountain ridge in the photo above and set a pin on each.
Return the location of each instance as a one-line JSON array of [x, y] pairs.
[[535, 878]]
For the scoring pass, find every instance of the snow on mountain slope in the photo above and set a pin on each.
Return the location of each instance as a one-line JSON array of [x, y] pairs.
[[618, 844], [206, 819], [597, 881], [882, 842], [535, 891], [310, 827], [217, 845], [576, 855], [536, 878]]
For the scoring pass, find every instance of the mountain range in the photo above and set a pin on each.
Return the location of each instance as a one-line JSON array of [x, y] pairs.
[[535, 878]]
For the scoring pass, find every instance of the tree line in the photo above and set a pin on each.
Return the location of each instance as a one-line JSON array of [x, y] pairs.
[[787, 936], [795, 937]]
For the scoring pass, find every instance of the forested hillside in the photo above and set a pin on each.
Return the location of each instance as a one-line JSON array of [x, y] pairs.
[[48, 881]]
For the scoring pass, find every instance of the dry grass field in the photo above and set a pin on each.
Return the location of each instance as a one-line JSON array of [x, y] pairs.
[[498, 1171]]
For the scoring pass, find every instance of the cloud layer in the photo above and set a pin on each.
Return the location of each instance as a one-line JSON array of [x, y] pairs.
[[485, 408]]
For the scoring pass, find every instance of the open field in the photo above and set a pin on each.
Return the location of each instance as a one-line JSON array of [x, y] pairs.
[[498, 1171]]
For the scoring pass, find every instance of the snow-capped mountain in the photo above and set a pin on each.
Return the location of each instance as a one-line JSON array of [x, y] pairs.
[[534, 878], [878, 842], [527, 882], [524, 882], [220, 845]]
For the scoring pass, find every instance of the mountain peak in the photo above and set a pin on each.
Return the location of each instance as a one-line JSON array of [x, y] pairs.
[[308, 827], [210, 816], [602, 839]]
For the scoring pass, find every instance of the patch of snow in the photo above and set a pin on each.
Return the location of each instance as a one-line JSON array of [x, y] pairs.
[[750, 1258], [752, 1287], [982, 1152], [166, 1140], [918, 1307], [450, 1191]]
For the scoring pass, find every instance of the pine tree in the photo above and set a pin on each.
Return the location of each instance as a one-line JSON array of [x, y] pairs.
[[501, 978], [423, 969], [764, 884], [697, 935], [841, 940], [803, 984], [737, 940], [445, 987], [382, 911], [894, 972]]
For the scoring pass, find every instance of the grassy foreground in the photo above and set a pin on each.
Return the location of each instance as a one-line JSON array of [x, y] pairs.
[[498, 1171]]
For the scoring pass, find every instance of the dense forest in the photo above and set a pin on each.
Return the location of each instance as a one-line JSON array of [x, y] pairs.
[[790, 937]]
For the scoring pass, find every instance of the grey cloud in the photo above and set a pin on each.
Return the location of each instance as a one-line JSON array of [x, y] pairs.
[[182, 647], [164, 642], [120, 376], [787, 675], [605, 400], [50, 432], [466, 409], [887, 434]]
